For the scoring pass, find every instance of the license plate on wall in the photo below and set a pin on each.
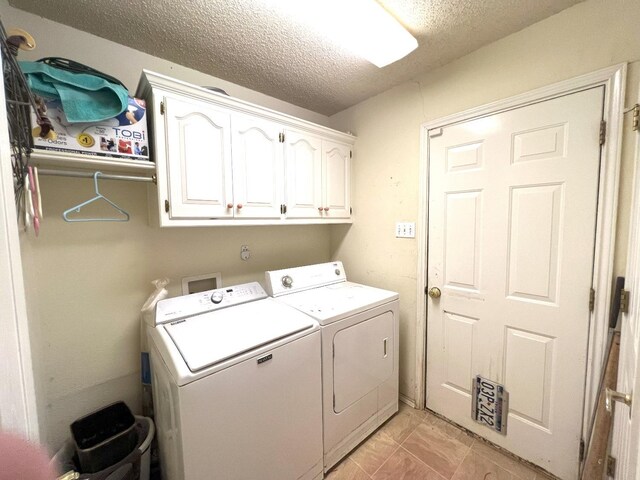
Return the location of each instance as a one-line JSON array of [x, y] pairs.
[[490, 404]]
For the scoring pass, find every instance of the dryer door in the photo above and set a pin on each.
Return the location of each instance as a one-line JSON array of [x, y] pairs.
[[362, 359]]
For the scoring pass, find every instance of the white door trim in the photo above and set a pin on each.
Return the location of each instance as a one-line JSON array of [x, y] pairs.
[[18, 410], [624, 440], [613, 78]]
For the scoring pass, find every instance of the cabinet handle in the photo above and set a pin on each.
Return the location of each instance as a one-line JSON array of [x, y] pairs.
[[320, 209], [326, 209], [239, 206], [229, 205]]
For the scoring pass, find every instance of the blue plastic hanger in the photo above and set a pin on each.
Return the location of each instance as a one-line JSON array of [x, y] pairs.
[[98, 196]]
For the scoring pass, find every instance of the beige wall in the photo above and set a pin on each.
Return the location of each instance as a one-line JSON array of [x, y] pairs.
[[85, 282], [584, 38]]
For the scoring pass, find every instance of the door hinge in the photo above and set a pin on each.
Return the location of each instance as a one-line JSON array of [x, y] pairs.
[[281, 137], [592, 299], [350, 210], [611, 466], [166, 206], [581, 452], [350, 153], [283, 209], [636, 117], [161, 108], [603, 131], [624, 301]]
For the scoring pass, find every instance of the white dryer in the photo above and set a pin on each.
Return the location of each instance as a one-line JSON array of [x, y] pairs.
[[359, 349], [237, 387]]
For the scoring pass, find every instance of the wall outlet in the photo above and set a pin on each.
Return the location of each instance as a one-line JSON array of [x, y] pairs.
[[406, 230], [245, 253]]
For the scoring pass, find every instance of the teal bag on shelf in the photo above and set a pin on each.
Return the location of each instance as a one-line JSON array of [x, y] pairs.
[[85, 97]]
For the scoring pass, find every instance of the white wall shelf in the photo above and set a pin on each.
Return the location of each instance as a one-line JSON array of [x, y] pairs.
[[63, 160]]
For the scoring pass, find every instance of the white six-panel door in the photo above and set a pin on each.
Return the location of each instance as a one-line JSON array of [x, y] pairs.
[[199, 150], [512, 215], [257, 167]]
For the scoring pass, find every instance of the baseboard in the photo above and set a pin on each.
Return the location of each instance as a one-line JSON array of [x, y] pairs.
[[408, 401]]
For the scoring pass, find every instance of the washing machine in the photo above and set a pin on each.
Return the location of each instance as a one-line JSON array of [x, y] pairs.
[[237, 390], [359, 326]]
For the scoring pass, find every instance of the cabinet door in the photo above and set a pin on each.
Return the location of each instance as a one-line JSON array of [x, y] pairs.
[[303, 163], [336, 182], [198, 140], [258, 171]]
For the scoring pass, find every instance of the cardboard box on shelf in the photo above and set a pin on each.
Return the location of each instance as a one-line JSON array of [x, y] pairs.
[[124, 136]]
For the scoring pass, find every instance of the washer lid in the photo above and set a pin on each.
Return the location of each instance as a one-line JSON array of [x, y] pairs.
[[330, 303], [213, 337]]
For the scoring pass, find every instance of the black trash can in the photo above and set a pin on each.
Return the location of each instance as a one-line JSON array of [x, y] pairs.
[[104, 437], [134, 465]]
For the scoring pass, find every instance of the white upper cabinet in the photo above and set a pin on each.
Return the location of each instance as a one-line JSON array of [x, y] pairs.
[[223, 161], [336, 181], [318, 177], [198, 141], [257, 167], [303, 164]]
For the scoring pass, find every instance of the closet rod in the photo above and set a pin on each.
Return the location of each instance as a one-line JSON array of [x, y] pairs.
[[70, 173]]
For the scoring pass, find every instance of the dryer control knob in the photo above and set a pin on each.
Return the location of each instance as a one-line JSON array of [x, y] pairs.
[[287, 281], [216, 297]]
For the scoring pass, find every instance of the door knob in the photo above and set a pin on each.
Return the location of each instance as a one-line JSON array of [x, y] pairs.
[[613, 396], [434, 292]]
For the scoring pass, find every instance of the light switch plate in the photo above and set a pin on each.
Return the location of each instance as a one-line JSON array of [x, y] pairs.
[[406, 230]]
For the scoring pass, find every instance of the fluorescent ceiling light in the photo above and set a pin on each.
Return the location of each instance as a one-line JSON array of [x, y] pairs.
[[363, 27]]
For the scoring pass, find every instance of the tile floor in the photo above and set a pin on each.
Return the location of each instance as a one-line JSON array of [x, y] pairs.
[[416, 445]]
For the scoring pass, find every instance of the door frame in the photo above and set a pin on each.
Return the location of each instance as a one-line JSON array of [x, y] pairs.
[[625, 419], [613, 79], [18, 408]]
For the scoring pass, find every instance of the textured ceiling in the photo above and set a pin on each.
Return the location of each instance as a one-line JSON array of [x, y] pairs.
[[252, 42]]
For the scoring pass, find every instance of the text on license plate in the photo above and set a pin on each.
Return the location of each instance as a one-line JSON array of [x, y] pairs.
[[490, 404]]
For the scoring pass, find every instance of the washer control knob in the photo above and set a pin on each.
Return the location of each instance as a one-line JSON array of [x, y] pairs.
[[216, 297], [287, 281], [337, 271]]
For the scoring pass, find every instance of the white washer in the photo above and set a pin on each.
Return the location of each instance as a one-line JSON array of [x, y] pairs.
[[359, 349], [237, 387]]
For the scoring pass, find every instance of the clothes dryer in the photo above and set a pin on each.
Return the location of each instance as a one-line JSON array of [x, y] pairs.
[[237, 387], [360, 329]]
